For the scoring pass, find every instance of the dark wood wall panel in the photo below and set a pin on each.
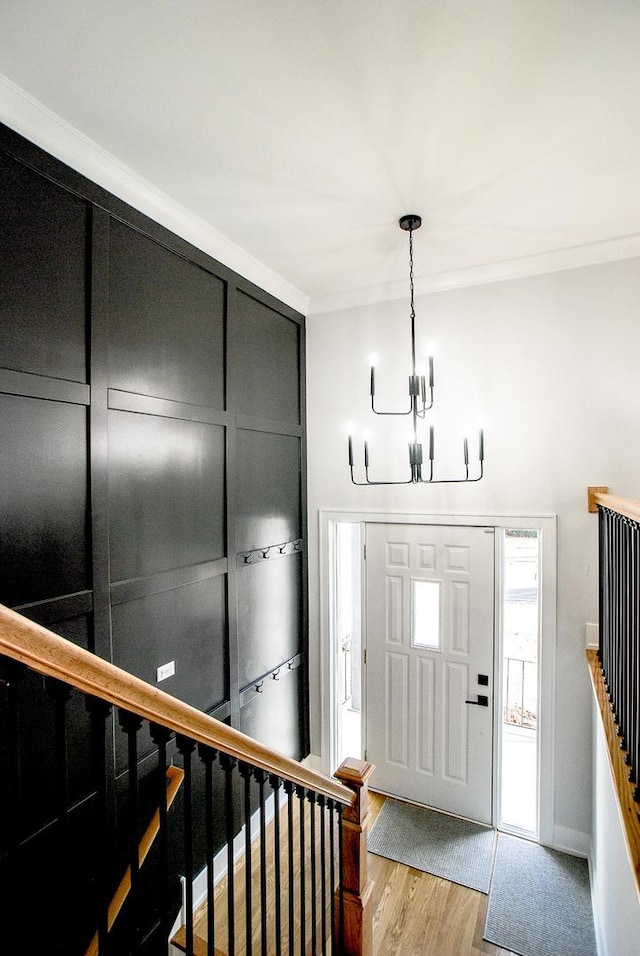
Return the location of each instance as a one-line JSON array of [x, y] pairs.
[[152, 427], [186, 624], [267, 347], [43, 499], [269, 615], [269, 493], [166, 494], [36, 705], [166, 323], [273, 715], [43, 246]]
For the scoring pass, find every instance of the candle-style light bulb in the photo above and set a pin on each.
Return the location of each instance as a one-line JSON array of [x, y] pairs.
[[481, 445], [350, 452], [430, 442], [466, 452], [431, 371], [366, 454], [372, 387]]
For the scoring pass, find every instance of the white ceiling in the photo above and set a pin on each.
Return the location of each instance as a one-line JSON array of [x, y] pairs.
[[302, 129]]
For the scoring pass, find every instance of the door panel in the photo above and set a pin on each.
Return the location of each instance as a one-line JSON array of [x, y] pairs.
[[430, 635]]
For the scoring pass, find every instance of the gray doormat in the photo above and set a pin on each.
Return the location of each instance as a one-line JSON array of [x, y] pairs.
[[454, 849], [540, 901]]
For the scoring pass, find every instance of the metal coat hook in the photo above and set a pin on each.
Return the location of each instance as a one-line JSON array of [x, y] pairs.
[[282, 548], [259, 687], [247, 558], [265, 553], [276, 674]]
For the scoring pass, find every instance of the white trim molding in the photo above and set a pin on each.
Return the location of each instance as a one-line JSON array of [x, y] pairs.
[[546, 524], [37, 123], [555, 260]]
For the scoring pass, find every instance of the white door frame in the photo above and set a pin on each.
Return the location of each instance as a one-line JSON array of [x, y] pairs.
[[546, 525]]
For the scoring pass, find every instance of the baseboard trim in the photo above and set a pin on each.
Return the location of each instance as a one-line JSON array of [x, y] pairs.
[[570, 841]]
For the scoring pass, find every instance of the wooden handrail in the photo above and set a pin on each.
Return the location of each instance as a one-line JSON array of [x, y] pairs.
[[629, 507], [49, 654], [619, 768]]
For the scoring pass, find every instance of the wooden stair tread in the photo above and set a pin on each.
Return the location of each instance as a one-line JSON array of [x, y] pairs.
[[179, 940]]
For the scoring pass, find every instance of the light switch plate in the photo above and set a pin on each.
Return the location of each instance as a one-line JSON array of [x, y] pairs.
[[592, 635], [167, 670]]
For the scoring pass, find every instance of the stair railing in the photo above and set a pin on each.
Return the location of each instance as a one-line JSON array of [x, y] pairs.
[[314, 893], [615, 666]]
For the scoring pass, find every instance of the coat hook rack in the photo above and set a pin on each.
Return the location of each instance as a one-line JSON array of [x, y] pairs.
[[269, 551]]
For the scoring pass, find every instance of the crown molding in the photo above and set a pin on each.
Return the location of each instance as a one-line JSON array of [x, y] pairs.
[[37, 123], [557, 260]]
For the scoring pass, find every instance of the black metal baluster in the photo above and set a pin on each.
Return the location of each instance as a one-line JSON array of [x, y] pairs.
[[289, 789], [275, 786], [322, 803], [60, 694], [332, 860], [631, 664], [624, 664], [99, 712], [610, 634], [208, 755], [261, 777], [603, 620], [161, 736], [637, 685], [341, 893], [131, 725], [612, 601], [314, 885], [636, 661], [300, 793], [186, 747], [615, 626], [619, 605], [245, 773], [228, 763]]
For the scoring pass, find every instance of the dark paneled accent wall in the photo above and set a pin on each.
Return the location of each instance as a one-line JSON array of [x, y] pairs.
[[152, 482]]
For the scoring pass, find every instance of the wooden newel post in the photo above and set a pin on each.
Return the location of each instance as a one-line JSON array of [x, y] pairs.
[[357, 888]]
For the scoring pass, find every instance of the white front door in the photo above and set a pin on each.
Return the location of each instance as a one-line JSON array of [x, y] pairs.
[[430, 665]]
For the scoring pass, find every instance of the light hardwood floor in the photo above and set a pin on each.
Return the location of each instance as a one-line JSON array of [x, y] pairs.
[[414, 913], [417, 914]]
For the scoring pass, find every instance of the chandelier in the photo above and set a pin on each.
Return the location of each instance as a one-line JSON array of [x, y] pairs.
[[420, 401]]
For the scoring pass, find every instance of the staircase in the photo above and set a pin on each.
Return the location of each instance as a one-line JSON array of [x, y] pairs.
[[148, 794]]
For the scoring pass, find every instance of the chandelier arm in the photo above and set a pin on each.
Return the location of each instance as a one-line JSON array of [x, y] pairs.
[[453, 481], [421, 412], [377, 412], [368, 481]]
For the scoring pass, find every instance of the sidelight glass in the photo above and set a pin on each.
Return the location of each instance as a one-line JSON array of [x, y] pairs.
[[521, 635]]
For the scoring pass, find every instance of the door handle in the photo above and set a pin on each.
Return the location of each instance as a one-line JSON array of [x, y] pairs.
[[482, 701]]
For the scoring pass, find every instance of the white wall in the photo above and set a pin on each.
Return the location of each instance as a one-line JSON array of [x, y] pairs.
[[616, 904], [551, 362]]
